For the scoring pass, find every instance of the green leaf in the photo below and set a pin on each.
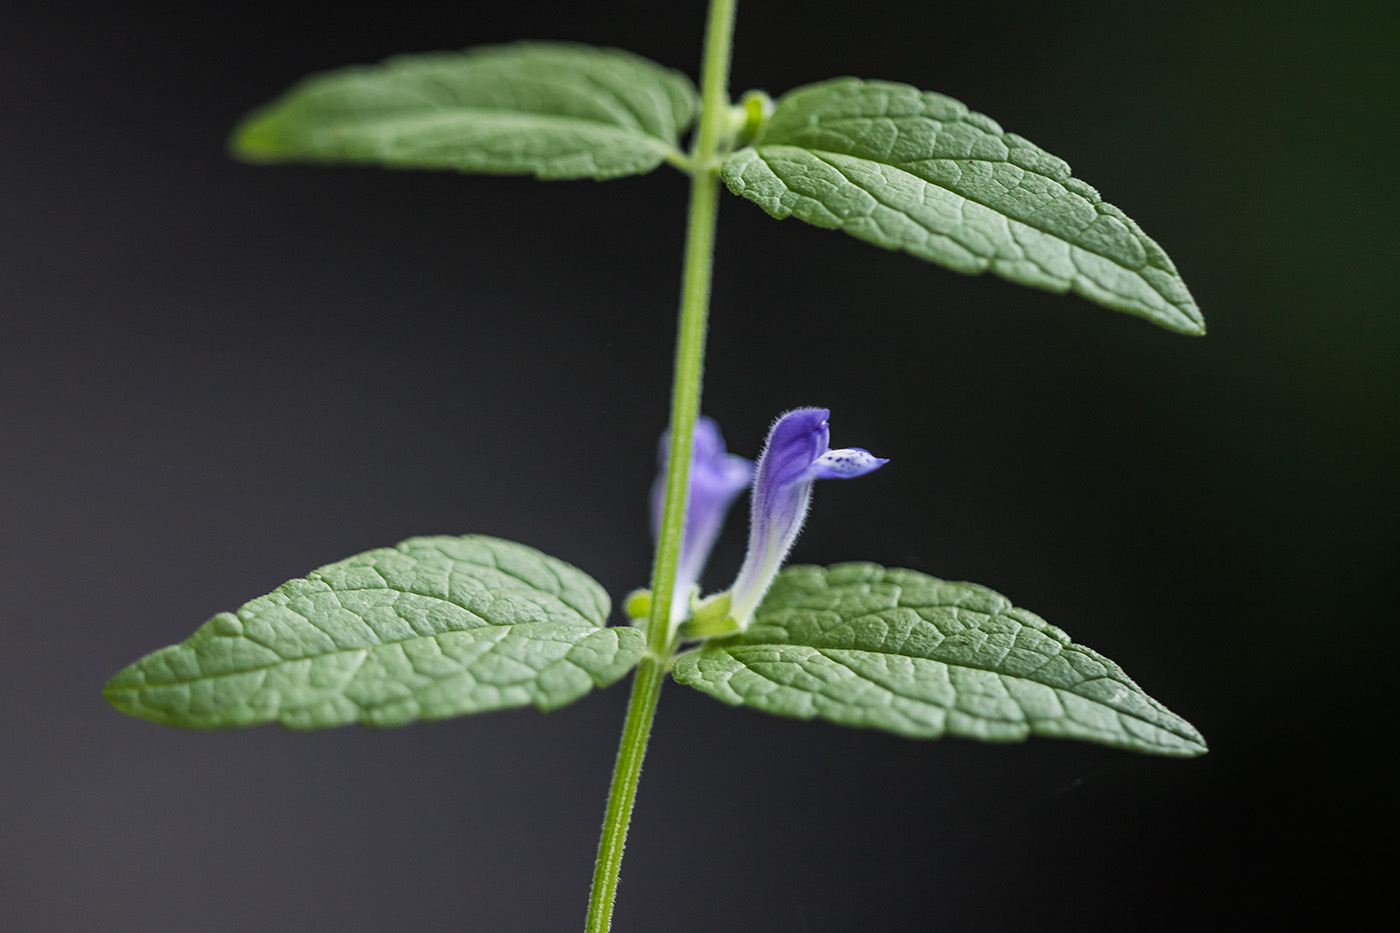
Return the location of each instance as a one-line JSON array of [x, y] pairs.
[[547, 109], [432, 628], [916, 171], [901, 651]]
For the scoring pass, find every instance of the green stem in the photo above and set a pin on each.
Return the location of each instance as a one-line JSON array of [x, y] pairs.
[[685, 409], [641, 710], [695, 309]]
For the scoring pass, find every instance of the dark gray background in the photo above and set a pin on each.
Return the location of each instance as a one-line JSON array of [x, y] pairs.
[[214, 377]]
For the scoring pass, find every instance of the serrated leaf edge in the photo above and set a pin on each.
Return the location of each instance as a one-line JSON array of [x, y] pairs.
[[687, 670], [1185, 317]]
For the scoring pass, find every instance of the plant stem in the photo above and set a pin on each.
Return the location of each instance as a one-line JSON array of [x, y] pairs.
[[685, 408], [641, 710], [694, 314]]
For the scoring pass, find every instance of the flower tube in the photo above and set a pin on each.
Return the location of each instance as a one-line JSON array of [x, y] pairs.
[[796, 455], [716, 479]]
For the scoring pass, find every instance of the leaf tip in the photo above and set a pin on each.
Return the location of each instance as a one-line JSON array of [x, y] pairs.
[[121, 695], [1195, 324], [1195, 745], [1184, 741], [1179, 317], [1178, 311], [258, 138], [1189, 748]]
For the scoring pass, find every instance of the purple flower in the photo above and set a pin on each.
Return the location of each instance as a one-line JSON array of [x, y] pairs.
[[716, 479], [796, 454]]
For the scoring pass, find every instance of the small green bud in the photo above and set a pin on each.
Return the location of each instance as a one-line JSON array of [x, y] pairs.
[[637, 605]]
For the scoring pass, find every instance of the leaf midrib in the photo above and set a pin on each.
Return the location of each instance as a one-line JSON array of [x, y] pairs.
[[332, 125], [823, 651], [1060, 647], [825, 154], [366, 649]]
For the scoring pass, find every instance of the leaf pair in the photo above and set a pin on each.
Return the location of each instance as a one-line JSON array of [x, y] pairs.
[[440, 627], [887, 163]]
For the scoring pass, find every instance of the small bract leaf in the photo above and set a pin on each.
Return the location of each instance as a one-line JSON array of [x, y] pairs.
[[916, 171], [548, 109], [901, 651], [432, 628]]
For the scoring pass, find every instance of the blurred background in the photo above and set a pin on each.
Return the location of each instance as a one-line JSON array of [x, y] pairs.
[[214, 377]]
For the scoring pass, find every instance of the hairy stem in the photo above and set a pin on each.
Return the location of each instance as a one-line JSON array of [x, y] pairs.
[[641, 710], [685, 408]]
